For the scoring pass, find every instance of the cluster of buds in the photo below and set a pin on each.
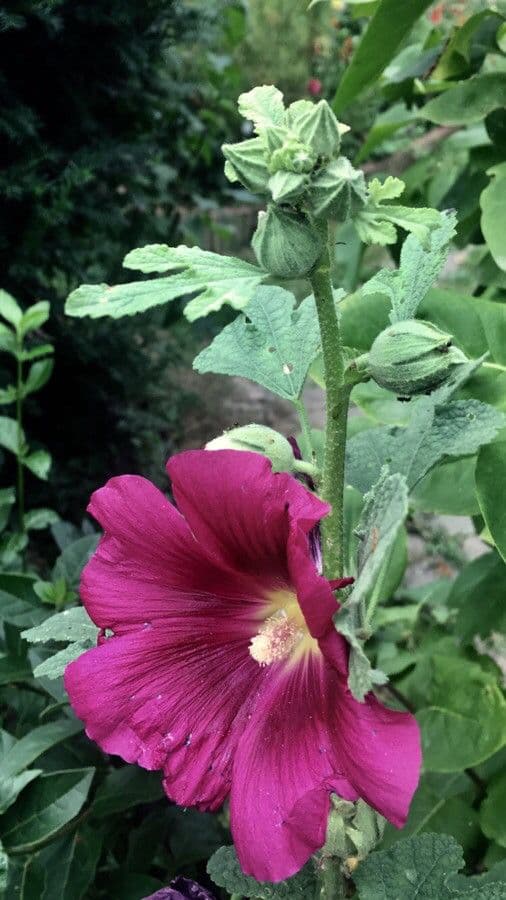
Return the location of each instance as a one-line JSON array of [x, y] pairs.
[[295, 162], [411, 357]]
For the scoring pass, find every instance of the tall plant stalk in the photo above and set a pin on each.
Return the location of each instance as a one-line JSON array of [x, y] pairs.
[[338, 395]]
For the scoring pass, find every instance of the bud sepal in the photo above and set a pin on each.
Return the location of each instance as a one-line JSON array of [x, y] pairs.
[[246, 162]]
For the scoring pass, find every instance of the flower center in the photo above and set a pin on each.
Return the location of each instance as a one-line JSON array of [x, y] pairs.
[[283, 633], [278, 636]]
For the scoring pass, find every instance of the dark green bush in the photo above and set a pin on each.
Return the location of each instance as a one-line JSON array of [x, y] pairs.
[[111, 117]]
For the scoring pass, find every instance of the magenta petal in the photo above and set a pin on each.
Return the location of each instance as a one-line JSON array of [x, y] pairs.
[[285, 769], [239, 509], [173, 699], [255, 522], [307, 738], [381, 754], [148, 566]]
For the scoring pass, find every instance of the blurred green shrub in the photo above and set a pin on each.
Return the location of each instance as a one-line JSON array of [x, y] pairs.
[[111, 121]]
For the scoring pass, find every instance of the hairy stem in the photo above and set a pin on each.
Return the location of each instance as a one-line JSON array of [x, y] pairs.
[[305, 427], [332, 881], [19, 420], [338, 394]]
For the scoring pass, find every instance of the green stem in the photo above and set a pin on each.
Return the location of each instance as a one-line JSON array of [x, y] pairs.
[[19, 420], [332, 881], [498, 366], [305, 427], [338, 395]]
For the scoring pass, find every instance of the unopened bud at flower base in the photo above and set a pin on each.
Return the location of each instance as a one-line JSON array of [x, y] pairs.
[[285, 243], [258, 439], [411, 357], [319, 129], [293, 156]]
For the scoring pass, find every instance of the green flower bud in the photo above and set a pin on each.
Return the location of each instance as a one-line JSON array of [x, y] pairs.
[[335, 189], [247, 163], [285, 244], [258, 439], [411, 357], [319, 128], [292, 156], [285, 186], [273, 137]]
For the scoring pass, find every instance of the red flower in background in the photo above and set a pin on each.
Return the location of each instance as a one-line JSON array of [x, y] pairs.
[[225, 670], [436, 14], [314, 87]]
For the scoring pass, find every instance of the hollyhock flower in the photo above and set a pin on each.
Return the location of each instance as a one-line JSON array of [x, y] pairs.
[[182, 889], [224, 668]]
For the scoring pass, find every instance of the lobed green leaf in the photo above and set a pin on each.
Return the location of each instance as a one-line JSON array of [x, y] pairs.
[[225, 871], [214, 278], [272, 344], [69, 625]]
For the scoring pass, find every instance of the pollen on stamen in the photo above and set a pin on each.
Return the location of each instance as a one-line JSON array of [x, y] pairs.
[[276, 639]]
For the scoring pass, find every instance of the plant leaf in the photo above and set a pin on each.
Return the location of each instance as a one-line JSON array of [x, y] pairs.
[[272, 343], [418, 269], [216, 279], [54, 666], [263, 106], [69, 625], [10, 308], [376, 222], [489, 473], [37, 519], [484, 577], [61, 871], [436, 431], [11, 787], [44, 808], [225, 871], [384, 510], [442, 804], [25, 751], [464, 722], [9, 435], [39, 374], [39, 462], [493, 215], [34, 317], [124, 788], [492, 818], [389, 26], [73, 559], [418, 867], [469, 101]]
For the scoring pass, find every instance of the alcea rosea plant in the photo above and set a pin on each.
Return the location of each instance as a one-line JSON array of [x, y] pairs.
[[233, 623]]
